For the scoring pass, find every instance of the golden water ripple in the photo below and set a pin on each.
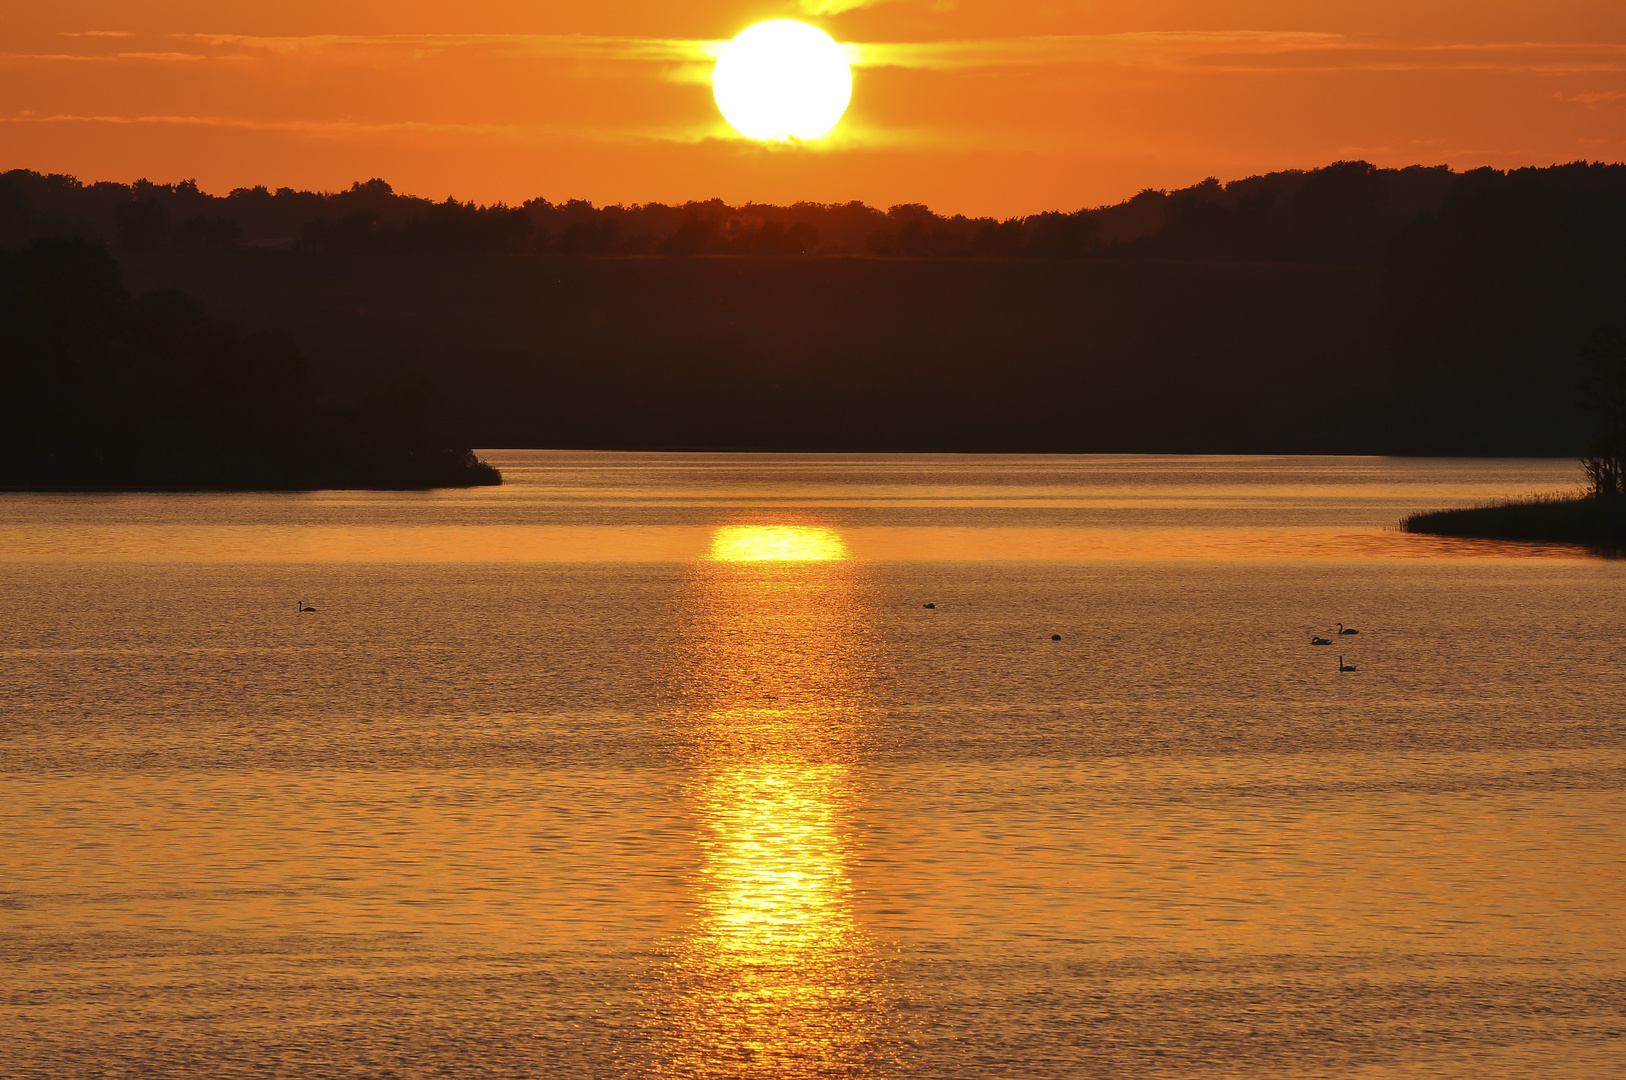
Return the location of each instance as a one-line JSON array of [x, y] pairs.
[[776, 976]]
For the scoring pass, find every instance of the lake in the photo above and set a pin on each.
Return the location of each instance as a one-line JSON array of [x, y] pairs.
[[775, 766]]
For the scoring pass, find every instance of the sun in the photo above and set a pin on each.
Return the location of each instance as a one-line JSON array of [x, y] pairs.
[[782, 80]]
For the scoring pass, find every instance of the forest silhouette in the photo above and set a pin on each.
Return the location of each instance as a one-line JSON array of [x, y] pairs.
[[106, 390], [1596, 517], [1347, 212], [1344, 309]]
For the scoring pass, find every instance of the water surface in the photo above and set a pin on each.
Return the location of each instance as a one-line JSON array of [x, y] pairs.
[[657, 765]]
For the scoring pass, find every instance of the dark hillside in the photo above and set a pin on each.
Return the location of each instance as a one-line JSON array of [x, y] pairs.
[[1348, 212], [1493, 304], [1347, 308], [106, 390], [836, 353]]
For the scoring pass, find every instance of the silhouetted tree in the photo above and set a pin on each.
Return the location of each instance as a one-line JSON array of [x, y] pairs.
[[695, 236], [452, 226], [591, 237], [143, 224], [1059, 236], [1490, 303], [105, 390], [15, 213], [774, 239], [358, 232], [1347, 212], [208, 234], [1606, 464]]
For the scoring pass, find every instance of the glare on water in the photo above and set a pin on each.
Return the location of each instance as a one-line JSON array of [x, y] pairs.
[[777, 976], [777, 543]]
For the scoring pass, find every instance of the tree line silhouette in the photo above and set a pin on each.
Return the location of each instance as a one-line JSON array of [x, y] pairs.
[[1344, 309], [1347, 212], [1494, 306], [103, 389]]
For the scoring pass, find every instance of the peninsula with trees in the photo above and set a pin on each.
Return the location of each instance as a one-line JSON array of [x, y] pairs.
[[106, 390], [1596, 517]]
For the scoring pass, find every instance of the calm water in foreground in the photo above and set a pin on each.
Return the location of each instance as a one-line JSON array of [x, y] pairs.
[[658, 765]]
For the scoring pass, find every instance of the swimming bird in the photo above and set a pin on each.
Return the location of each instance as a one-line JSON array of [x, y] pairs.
[[303, 608], [1316, 639], [929, 605], [1342, 667], [1341, 630], [1055, 637]]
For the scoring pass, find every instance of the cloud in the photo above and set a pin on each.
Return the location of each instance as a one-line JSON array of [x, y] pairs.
[[328, 127], [1072, 49], [674, 60], [556, 46], [689, 60], [51, 57], [353, 130], [159, 56], [833, 7], [105, 58], [1241, 51]]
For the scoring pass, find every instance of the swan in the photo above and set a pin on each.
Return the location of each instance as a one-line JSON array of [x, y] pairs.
[[929, 605], [303, 608], [1316, 639], [1055, 637], [1342, 667], [1341, 630]]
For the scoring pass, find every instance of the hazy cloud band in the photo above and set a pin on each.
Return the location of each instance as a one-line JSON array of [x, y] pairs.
[[685, 58]]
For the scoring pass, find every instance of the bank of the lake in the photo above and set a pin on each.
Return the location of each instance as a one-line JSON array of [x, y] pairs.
[[113, 392], [1574, 519]]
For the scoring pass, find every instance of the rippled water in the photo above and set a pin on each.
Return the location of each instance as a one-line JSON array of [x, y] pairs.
[[658, 765]]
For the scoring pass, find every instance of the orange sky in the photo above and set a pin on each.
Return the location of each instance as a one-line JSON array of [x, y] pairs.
[[979, 106]]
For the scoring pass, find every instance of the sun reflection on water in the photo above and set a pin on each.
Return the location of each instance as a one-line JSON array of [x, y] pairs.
[[777, 543], [776, 976], [775, 876]]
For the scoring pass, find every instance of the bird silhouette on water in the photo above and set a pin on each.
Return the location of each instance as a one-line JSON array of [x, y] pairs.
[[303, 608], [1055, 637], [1343, 667], [928, 605], [1342, 631], [1317, 639]]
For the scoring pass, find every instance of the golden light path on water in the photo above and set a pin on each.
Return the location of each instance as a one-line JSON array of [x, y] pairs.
[[777, 543], [775, 977]]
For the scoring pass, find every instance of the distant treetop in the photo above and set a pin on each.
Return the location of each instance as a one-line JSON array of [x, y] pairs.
[[1347, 212]]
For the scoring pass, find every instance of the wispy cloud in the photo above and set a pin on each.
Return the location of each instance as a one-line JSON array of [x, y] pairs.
[[53, 58], [558, 46], [349, 130], [1593, 97], [683, 60], [183, 57], [690, 59], [833, 7], [1074, 49], [115, 57], [1241, 50], [332, 127]]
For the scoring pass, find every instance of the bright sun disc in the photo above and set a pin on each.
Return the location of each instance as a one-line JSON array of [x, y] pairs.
[[782, 80]]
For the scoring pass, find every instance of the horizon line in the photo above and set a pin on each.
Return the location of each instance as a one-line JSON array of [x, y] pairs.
[[1224, 185]]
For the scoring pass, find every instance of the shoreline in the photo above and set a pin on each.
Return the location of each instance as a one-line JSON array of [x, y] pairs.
[[1551, 519]]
